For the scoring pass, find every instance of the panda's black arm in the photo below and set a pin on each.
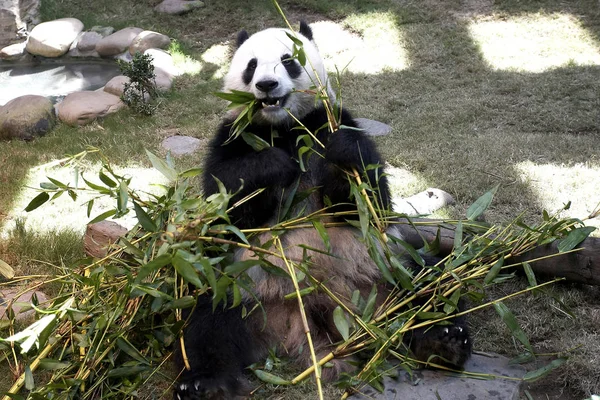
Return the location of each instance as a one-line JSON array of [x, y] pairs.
[[236, 161], [348, 149]]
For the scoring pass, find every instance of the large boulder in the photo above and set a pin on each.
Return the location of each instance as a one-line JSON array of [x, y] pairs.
[[149, 40], [8, 28], [26, 117], [163, 60], [53, 38], [13, 52], [116, 84], [88, 41], [81, 108], [15, 17], [118, 42]]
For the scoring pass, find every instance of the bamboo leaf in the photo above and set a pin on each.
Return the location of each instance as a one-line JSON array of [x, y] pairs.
[[6, 270], [103, 216], [131, 351], [123, 196], [209, 273], [323, 233], [575, 237], [29, 382], [186, 270], [303, 292], [545, 370], [530, 275], [494, 271], [237, 232], [37, 201], [52, 365], [106, 180], [183, 302], [190, 173], [270, 378], [255, 142], [512, 324], [481, 204], [161, 166], [144, 219], [127, 371], [157, 263], [341, 323], [370, 305]]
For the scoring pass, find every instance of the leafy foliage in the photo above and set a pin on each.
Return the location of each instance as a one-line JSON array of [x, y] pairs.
[[141, 88]]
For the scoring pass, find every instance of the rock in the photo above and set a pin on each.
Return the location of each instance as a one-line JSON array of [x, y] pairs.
[[163, 80], [115, 85], [88, 41], [181, 145], [99, 236], [163, 60], [53, 38], [8, 28], [117, 43], [178, 7], [78, 53], [149, 40], [372, 127], [26, 117], [434, 385], [423, 203], [13, 52], [81, 108], [104, 31], [19, 302]]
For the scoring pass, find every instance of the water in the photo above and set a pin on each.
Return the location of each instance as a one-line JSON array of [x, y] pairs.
[[54, 80]]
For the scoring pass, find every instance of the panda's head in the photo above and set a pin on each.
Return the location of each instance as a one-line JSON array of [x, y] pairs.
[[263, 65]]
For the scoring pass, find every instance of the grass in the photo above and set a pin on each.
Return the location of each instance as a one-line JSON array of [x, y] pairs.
[[468, 105]]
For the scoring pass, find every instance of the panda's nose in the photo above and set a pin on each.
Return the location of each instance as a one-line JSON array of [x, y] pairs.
[[266, 85]]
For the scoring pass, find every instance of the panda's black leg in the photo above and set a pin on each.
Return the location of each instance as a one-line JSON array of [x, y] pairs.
[[448, 345], [218, 346]]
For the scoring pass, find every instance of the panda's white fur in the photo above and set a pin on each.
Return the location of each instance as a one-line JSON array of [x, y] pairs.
[[267, 47]]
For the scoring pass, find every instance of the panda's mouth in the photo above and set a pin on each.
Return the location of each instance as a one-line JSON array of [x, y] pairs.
[[273, 102]]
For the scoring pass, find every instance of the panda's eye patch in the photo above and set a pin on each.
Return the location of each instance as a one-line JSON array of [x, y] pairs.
[[291, 66], [249, 71]]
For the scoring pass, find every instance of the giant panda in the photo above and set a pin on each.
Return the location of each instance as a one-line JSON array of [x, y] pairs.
[[220, 344]]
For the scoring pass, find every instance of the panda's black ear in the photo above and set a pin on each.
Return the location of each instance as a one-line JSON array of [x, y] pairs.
[[305, 30], [241, 37]]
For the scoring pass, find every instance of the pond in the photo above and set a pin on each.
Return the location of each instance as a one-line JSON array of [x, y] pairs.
[[53, 79]]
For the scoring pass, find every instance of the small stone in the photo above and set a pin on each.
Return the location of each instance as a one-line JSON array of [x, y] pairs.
[[149, 40], [81, 108], [13, 52], [26, 117], [19, 302], [163, 80], [53, 38], [178, 7], [118, 42], [181, 145], [99, 236], [372, 127]]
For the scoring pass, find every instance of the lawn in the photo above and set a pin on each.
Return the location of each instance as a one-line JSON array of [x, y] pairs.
[[477, 93]]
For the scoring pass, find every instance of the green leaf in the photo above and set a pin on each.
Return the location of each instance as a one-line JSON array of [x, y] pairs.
[[106, 180], [370, 305], [186, 270], [37, 201], [29, 382], [512, 324], [57, 183], [131, 351], [237, 232], [161, 166], [127, 371], [52, 365], [103, 216], [530, 275], [157, 263], [48, 186], [341, 323], [323, 233], [303, 292], [574, 237], [6, 270], [481, 204], [240, 266], [190, 173], [123, 196], [270, 378], [183, 302], [458, 235], [545, 370], [255, 142], [209, 273], [494, 271], [236, 96], [144, 219]]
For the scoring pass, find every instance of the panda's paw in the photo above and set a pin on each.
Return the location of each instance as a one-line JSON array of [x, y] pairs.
[[212, 389], [446, 345]]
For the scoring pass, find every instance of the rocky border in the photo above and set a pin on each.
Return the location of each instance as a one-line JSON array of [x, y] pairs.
[[30, 116]]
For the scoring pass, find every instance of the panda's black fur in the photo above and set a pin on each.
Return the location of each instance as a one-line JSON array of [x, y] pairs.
[[221, 344]]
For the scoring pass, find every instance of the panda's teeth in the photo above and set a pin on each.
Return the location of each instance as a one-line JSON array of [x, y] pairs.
[[265, 105]]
